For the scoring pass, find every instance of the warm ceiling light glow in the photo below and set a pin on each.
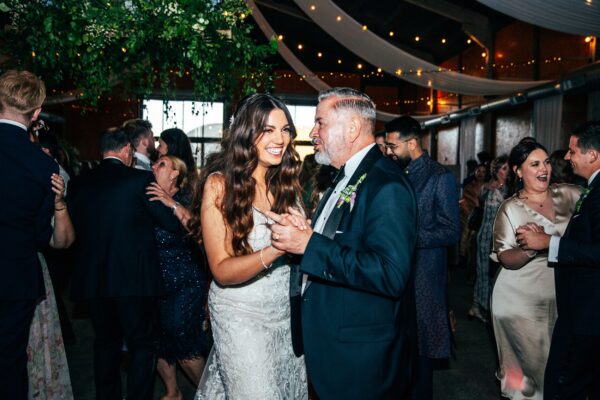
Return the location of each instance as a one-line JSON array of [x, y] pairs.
[[442, 102], [339, 61], [379, 70], [242, 16], [319, 54], [364, 28], [588, 39], [417, 38], [429, 103], [280, 37], [484, 54], [419, 72], [398, 72], [499, 55], [359, 66], [468, 41], [444, 40], [313, 7], [589, 2], [300, 47], [338, 18], [391, 33]]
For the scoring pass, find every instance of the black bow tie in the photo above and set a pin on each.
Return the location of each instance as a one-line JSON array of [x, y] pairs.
[[337, 176]]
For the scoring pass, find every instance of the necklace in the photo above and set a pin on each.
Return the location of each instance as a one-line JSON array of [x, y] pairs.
[[540, 204]]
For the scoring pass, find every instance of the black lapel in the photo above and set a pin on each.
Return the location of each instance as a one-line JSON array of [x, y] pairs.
[[321, 205], [333, 222]]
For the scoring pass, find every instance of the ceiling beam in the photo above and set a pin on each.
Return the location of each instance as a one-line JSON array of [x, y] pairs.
[[283, 8], [476, 25]]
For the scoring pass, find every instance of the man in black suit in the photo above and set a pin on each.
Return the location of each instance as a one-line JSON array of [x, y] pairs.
[[573, 371], [26, 207], [117, 269], [357, 308]]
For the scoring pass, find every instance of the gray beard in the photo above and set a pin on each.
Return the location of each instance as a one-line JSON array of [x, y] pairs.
[[322, 158]]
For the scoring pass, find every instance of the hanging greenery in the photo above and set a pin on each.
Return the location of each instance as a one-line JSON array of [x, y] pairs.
[[88, 47]]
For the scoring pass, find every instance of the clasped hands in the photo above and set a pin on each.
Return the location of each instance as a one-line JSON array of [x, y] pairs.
[[290, 232], [532, 236]]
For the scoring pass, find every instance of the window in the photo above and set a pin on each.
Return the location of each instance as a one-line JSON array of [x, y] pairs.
[[202, 122]]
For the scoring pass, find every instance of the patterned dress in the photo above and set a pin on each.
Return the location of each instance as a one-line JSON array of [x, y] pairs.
[[182, 310], [252, 357], [47, 367], [491, 199]]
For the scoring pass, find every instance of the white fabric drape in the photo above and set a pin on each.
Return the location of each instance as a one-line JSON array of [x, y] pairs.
[[578, 17], [310, 77], [393, 60], [547, 122], [466, 139]]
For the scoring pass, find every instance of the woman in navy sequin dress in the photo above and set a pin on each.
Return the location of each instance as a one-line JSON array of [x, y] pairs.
[[182, 311]]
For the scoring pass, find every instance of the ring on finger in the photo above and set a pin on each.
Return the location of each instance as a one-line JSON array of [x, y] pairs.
[[276, 236]]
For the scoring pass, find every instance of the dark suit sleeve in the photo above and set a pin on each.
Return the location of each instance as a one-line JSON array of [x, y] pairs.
[[379, 258], [578, 252], [163, 216], [446, 229]]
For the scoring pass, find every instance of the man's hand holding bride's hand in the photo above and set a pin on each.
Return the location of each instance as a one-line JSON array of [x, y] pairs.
[[291, 231]]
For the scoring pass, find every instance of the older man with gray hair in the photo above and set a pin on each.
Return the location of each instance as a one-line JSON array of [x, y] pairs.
[[352, 305]]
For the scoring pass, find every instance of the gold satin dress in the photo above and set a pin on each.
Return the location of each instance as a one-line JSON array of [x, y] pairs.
[[523, 301]]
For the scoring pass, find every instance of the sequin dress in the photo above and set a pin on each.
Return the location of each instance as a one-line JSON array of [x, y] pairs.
[[252, 357], [182, 310]]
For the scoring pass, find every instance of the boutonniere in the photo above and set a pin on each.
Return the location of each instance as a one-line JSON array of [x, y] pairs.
[[582, 197], [348, 194]]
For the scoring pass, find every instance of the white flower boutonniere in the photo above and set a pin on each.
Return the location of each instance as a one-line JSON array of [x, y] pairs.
[[348, 195]]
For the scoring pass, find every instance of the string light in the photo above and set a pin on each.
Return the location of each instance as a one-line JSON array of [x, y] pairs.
[[300, 46], [417, 38], [280, 37], [443, 40], [588, 39], [359, 66], [468, 41], [339, 61], [313, 7], [391, 33], [483, 54], [319, 54], [364, 27], [338, 18]]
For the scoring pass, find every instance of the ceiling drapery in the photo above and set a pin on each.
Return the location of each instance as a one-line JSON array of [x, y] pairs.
[[380, 53], [578, 17], [310, 77]]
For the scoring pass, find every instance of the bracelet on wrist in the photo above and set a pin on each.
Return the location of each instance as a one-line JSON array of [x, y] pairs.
[[265, 266], [174, 206]]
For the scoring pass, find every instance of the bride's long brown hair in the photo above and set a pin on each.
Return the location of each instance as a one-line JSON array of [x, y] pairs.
[[237, 160]]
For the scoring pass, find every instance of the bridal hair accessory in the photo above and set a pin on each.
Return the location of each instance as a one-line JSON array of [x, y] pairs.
[[348, 194]]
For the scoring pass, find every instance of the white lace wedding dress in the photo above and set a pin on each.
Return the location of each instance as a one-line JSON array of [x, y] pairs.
[[252, 356]]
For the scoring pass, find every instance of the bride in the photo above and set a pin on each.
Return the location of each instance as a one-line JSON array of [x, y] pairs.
[[255, 171]]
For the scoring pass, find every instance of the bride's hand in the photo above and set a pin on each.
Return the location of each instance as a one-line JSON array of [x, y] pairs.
[[159, 194]]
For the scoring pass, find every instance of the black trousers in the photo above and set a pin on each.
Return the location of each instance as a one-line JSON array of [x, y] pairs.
[[422, 383], [573, 370], [132, 319], [15, 321]]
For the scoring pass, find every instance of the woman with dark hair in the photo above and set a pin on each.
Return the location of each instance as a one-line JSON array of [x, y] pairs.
[[256, 171], [491, 196], [523, 300], [175, 142]]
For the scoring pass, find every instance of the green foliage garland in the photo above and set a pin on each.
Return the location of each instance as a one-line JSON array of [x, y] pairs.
[[94, 45]]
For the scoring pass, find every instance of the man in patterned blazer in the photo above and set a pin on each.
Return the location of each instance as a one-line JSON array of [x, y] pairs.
[[573, 371], [438, 226]]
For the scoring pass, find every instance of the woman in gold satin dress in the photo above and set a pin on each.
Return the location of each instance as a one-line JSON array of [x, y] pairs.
[[523, 298]]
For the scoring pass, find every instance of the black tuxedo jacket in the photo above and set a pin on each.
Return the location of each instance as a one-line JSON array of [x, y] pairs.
[[26, 208], [358, 309], [577, 273], [114, 222]]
